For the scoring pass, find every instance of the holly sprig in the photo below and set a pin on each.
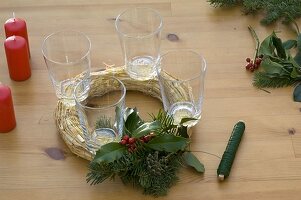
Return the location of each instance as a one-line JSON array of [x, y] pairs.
[[148, 156], [279, 67]]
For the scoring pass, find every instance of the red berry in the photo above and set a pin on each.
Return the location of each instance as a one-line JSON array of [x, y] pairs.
[[248, 59], [249, 65], [123, 142], [258, 61], [126, 137], [252, 69], [132, 140], [146, 138]]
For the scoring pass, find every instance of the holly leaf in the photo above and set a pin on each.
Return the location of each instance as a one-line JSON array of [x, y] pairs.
[[279, 47], [272, 67], [187, 119], [297, 93], [133, 121], [192, 161], [267, 47], [297, 58], [109, 152], [146, 128], [289, 44], [299, 42], [183, 132], [168, 143]]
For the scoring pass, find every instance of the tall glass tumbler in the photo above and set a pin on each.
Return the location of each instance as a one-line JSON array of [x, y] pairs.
[[100, 109], [67, 57], [139, 30], [181, 75]]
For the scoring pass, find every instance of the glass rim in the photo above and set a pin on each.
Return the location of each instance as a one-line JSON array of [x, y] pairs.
[[203, 62], [158, 29], [61, 31], [105, 107]]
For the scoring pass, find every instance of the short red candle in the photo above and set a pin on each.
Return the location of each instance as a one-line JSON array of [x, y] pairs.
[[16, 26], [7, 114], [17, 58]]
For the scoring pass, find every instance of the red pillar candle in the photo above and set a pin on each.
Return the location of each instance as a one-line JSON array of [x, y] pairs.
[[17, 58], [16, 26], [7, 114]]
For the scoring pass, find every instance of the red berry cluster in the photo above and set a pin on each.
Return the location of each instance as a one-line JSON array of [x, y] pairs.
[[252, 66], [131, 143]]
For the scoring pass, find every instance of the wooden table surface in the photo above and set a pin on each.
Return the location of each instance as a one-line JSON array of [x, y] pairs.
[[268, 163]]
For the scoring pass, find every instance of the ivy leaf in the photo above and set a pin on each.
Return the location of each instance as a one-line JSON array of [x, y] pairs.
[[297, 93], [267, 47], [168, 143], [133, 120], [109, 152], [146, 128], [192, 161], [289, 44], [279, 47]]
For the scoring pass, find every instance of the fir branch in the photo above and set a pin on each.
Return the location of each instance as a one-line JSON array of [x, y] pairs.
[[261, 80], [273, 9], [224, 3], [167, 123]]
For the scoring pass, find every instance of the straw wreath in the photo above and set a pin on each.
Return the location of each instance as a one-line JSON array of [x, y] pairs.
[[67, 121]]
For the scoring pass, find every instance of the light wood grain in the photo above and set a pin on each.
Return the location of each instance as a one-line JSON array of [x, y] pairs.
[[268, 163]]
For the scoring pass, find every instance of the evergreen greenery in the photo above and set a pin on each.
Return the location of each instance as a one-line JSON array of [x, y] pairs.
[[279, 68], [273, 9], [152, 161]]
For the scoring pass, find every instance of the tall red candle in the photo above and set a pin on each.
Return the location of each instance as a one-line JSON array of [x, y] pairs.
[[17, 58], [7, 114], [16, 26]]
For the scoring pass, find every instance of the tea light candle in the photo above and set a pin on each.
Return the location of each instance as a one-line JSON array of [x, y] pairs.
[[16, 26], [7, 114], [17, 58]]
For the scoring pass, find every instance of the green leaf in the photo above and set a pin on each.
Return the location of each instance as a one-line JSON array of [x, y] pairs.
[[133, 121], [146, 128], [183, 132], [168, 143], [297, 58], [109, 152], [289, 44], [267, 47], [184, 120], [299, 42], [192, 161], [272, 67], [294, 73], [279, 47], [297, 93]]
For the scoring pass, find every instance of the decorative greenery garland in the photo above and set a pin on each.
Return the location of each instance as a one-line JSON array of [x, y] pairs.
[[148, 156], [274, 9]]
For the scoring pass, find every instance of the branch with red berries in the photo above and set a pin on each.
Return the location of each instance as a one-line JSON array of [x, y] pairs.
[[147, 156], [275, 64]]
